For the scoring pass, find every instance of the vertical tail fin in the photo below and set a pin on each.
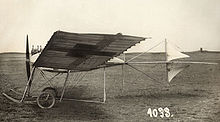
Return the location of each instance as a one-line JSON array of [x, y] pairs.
[[171, 54]]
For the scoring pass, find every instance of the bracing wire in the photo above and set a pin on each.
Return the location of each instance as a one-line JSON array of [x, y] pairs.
[[145, 51], [176, 45], [153, 79], [47, 81], [80, 79]]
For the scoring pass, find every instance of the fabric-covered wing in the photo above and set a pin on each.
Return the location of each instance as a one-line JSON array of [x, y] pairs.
[[76, 51]]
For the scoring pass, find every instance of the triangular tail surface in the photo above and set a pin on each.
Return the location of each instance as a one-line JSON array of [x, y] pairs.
[[173, 70], [172, 53]]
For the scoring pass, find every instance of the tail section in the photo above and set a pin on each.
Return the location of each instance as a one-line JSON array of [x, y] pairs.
[[171, 54], [173, 70]]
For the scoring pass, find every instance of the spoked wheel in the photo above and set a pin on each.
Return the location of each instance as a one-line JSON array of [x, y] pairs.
[[46, 100], [50, 90]]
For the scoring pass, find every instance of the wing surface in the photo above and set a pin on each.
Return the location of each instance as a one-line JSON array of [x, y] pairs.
[[75, 51]]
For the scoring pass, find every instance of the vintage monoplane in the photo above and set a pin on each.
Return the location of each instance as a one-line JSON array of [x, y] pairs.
[[74, 52]]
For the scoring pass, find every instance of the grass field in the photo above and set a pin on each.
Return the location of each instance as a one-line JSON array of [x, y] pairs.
[[193, 95]]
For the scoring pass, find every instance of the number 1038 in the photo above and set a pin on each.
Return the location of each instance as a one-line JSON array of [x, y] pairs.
[[160, 112]]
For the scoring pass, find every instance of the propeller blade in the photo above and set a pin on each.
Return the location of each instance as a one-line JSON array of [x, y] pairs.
[[27, 58]]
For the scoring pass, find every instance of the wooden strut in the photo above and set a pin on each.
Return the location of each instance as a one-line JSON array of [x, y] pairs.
[[89, 101], [64, 86], [28, 86], [104, 95], [123, 73], [166, 60], [123, 78]]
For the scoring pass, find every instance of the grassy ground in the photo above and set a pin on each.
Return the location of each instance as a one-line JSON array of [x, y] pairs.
[[193, 95]]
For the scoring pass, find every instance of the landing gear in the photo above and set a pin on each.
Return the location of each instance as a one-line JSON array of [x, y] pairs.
[[51, 90], [47, 98]]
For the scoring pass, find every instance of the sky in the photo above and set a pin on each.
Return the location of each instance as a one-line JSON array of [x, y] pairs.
[[190, 24]]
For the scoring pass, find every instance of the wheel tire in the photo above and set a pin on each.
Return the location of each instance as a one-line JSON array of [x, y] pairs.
[[51, 90], [46, 100]]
